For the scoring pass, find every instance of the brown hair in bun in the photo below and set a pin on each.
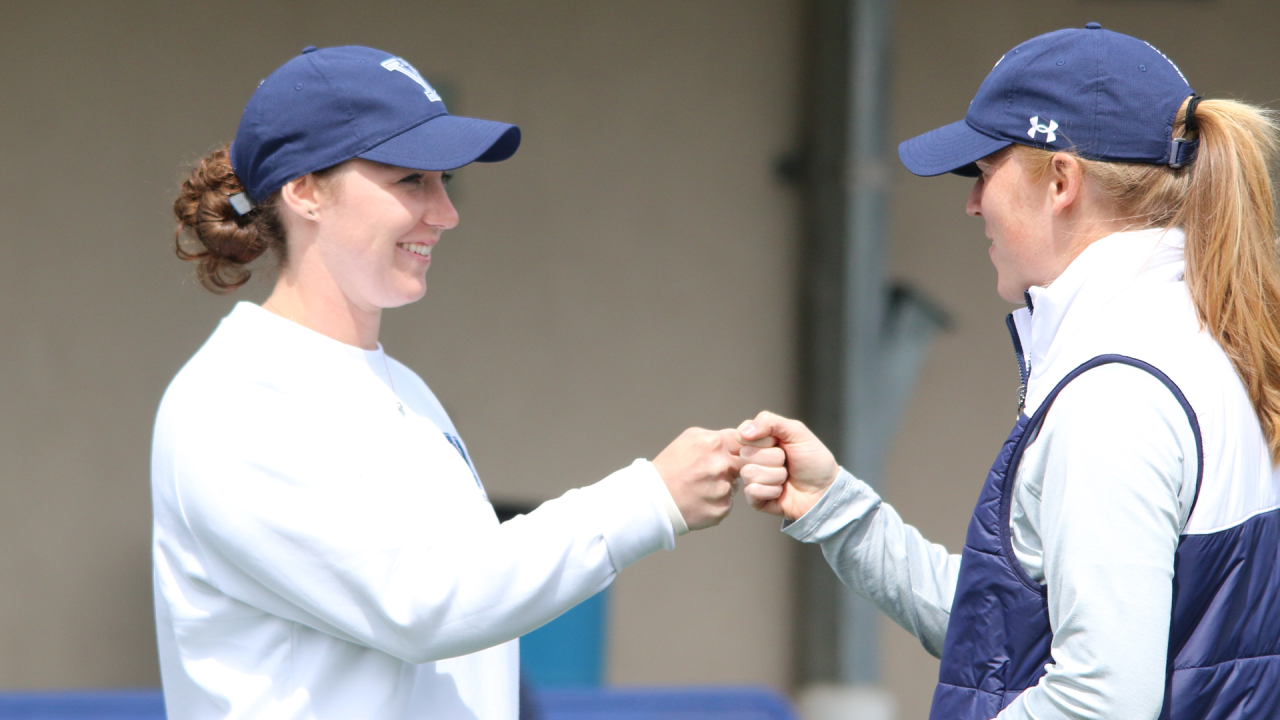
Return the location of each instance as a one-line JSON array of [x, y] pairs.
[[219, 240]]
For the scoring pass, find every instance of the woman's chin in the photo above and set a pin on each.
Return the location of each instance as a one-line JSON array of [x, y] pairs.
[[1010, 293], [405, 295]]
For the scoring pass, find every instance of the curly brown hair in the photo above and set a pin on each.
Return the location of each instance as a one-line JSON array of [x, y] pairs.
[[219, 240]]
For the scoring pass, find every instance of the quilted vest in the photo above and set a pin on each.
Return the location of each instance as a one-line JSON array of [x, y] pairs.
[[1224, 637]]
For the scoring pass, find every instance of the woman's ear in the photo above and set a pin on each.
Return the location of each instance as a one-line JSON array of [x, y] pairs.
[[301, 196], [1066, 182]]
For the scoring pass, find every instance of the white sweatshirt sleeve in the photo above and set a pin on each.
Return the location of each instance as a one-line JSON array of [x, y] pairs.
[[1104, 491], [284, 523], [882, 558]]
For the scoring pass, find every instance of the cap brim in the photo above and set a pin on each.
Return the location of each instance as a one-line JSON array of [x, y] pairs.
[[447, 142], [949, 149]]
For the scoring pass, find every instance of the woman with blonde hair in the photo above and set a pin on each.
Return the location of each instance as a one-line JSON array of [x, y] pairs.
[[1121, 560]]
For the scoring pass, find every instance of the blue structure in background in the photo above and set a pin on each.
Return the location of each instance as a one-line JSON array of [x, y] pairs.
[[568, 652], [745, 703], [563, 704], [104, 705]]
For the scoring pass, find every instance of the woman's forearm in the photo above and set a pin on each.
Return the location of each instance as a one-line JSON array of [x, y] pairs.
[[883, 559]]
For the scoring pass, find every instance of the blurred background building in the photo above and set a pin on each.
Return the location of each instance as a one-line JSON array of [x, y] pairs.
[[649, 260]]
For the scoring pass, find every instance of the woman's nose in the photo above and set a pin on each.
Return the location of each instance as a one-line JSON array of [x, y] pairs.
[[973, 207], [441, 213]]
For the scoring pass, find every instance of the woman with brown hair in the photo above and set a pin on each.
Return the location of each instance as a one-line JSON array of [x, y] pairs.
[[1121, 559], [323, 546]]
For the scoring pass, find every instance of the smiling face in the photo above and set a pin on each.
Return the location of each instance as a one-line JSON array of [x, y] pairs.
[[1018, 211], [375, 227]]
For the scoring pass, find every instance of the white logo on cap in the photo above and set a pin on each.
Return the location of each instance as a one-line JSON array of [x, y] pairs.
[[1050, 130], [395, 64]]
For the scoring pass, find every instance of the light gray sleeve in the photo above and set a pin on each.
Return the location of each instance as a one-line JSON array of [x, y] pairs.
[[1115, 464], [882, 558]]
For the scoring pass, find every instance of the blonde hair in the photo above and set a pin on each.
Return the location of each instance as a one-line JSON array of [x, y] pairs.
[[1225, 203]]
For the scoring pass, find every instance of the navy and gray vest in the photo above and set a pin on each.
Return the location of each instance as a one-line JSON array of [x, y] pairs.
[[1224, 635]]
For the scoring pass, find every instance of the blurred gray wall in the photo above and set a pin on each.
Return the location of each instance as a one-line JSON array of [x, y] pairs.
[[626, 275], [630, 272]]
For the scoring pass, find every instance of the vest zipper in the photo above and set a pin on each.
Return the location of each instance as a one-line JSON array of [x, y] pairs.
[[1023, 371]]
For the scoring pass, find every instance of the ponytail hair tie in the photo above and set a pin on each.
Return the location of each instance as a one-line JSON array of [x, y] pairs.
[[1189, 125], [1182, 150], [241, 203]]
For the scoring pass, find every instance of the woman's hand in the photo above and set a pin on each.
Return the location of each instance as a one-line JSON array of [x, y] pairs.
[[701, 469], [787, 468]]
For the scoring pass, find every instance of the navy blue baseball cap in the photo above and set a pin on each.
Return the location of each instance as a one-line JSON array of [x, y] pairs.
[[1105, 95], [327, 106]]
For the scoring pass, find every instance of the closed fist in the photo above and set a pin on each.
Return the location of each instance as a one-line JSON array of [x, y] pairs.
[[786, 467], [700, 469]]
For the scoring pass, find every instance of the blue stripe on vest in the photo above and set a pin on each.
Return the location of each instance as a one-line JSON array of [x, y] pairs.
[[1224, 638]]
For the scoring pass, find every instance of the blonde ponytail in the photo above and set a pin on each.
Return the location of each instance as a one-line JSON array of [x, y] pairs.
[[1225, 203], [1233, 261]]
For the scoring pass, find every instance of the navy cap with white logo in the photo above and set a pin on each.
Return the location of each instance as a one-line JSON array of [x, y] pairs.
[[327, 106], [1105, 95]]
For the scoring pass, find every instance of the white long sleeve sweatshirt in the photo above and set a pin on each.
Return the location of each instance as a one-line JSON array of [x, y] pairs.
[[1104, 490], [318, 553]]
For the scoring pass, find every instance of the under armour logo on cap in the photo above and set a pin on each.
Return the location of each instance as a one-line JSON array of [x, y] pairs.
[[1050, 130], [395, 64], [1112, 98]]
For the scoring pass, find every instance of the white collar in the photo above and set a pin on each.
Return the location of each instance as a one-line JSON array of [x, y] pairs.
[[1101, 272], [306, 350]]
